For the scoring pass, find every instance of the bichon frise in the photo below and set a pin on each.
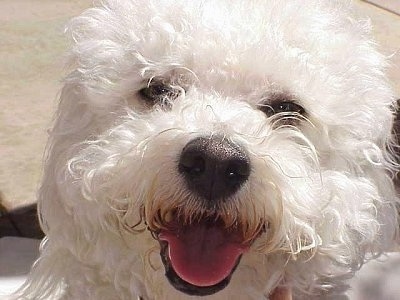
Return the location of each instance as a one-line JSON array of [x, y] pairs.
[[229, 149]]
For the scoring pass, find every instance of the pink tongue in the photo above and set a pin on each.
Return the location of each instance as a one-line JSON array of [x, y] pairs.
[[201, 254]]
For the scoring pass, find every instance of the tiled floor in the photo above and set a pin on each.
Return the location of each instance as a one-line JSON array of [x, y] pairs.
[[31, 47]]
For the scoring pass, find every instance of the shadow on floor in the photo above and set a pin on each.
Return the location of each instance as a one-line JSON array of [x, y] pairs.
[[21, 222]]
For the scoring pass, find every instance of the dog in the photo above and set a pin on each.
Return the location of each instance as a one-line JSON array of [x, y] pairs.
[[225, 149]]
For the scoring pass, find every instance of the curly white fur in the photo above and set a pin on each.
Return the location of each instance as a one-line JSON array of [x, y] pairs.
[[324, 185]]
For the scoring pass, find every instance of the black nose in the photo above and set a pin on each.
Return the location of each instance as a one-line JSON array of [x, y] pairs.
[[214, 167]]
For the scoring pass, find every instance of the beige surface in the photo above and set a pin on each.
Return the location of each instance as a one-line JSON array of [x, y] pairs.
[[392, 5], [31, 47]]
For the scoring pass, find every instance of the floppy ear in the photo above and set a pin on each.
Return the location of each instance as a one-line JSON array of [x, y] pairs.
[[71, 126]]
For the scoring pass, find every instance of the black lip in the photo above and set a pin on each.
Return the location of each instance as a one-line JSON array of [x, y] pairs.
[[186, 287]]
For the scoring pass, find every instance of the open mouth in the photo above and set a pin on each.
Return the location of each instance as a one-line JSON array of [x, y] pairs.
[[200, 258]]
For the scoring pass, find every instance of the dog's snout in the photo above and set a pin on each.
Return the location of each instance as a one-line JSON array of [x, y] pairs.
[[213, 167]]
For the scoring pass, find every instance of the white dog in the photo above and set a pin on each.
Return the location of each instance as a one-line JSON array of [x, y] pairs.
[[229, 149]]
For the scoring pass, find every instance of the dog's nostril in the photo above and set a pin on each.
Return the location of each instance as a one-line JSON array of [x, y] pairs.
[[214, 167], [192, 164], [237, 171]]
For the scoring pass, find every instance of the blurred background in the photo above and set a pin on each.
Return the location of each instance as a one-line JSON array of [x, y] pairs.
[[31, 67]]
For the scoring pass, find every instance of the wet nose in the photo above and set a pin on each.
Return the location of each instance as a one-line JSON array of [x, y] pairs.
[[214, 167]]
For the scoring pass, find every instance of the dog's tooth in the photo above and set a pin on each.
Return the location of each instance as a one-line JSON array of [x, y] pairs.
[[168, 217]]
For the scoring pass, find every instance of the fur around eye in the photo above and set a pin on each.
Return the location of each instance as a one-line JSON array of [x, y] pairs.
[[159, 93]]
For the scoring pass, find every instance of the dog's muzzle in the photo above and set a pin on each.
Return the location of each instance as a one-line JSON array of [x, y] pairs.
[[200, 256]]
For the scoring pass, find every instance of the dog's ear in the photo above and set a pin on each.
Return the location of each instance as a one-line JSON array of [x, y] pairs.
[[71, 126], [73, 114]]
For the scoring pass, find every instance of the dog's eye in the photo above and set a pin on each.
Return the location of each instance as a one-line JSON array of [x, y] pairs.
[[284, 107], [287, 112], [159, 93]]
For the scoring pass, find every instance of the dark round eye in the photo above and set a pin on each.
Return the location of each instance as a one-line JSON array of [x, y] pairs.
[[285, 107], [159, 93]]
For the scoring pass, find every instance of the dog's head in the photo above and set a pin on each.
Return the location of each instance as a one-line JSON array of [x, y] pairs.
[[228, 131]]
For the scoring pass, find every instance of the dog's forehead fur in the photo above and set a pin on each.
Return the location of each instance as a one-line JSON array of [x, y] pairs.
[[238, 48]]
